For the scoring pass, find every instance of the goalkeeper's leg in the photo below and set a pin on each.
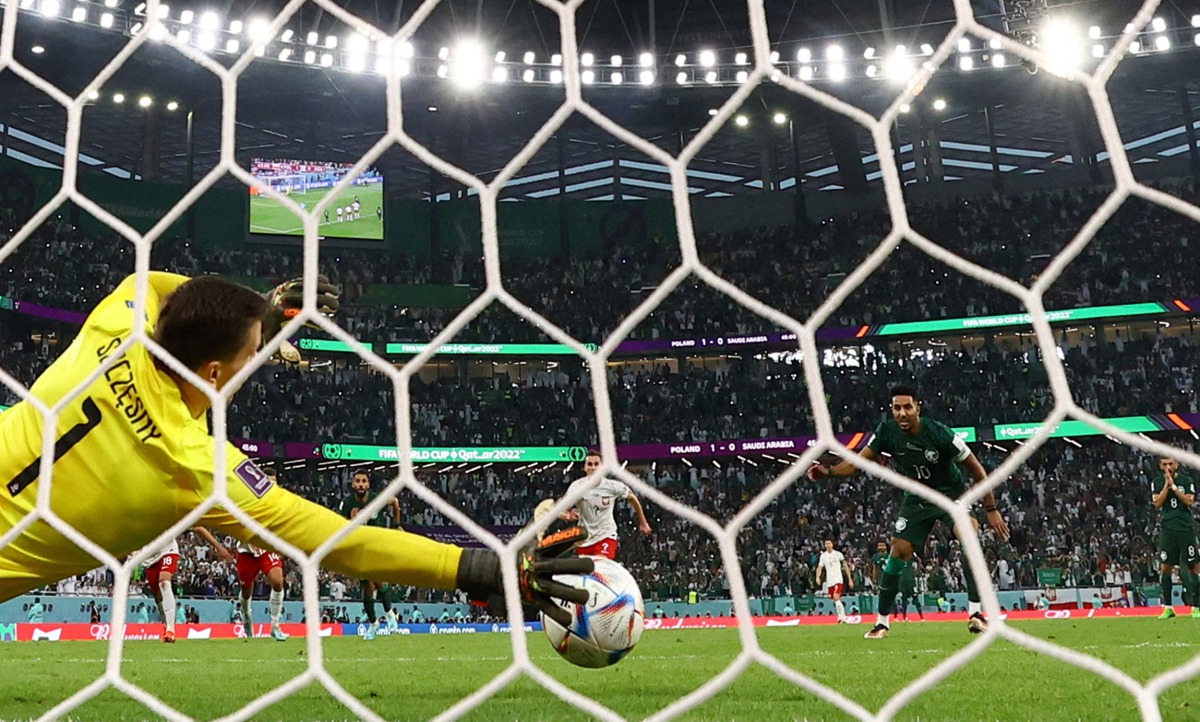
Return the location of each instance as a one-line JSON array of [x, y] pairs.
[[368, 600]]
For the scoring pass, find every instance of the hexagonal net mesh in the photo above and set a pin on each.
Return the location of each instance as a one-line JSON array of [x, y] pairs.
[[763, 72]]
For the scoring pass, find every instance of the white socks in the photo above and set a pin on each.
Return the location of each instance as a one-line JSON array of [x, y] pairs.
[[168, 604], [974, 608], [276, 602], [246, 615], [883, 619], [841, 610]]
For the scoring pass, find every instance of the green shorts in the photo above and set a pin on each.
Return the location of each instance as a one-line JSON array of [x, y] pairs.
[[916, 520], [1178, 547]]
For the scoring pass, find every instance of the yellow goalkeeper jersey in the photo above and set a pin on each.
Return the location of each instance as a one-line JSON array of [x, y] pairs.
[[130, 460]]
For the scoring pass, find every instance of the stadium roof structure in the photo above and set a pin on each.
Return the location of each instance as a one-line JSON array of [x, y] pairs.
[[1039, 123]]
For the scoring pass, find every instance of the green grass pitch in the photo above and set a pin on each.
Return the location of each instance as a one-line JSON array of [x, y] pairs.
[[417, 677], [269, 216]]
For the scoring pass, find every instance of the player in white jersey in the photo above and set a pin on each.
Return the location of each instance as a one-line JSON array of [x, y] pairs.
[[354, 210], [595, 512], [252, 561], [339, 214], [160, 568], [831, 566]]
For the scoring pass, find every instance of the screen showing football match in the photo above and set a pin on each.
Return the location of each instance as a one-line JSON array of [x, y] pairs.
[[356, 213]]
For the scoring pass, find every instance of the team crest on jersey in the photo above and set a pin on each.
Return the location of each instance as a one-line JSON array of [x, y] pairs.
[[901, 524], [254, 478], [1162, 555], [931, 455]]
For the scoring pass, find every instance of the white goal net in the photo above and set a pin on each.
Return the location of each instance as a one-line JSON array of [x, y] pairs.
[[761, 71]]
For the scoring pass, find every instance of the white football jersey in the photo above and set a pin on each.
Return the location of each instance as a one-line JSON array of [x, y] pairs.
[[596, 509], [832, 562], [171, 547]]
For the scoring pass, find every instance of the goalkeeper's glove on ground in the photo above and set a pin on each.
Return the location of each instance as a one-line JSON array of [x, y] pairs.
[[286, 301], [480, 576]]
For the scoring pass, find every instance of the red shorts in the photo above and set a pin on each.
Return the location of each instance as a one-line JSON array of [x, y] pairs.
[[250, 566], [835, 590], [603, 548], [167, 563]]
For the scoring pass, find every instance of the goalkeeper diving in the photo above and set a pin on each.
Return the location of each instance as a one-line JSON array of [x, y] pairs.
[[133, 455]]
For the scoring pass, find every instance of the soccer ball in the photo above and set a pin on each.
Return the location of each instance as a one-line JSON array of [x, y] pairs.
[[607, 627]]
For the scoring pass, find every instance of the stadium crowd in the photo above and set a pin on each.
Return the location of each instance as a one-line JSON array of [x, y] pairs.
[[1084, 511]]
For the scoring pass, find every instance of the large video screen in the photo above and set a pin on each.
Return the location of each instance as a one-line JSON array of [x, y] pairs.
[[357, 212]]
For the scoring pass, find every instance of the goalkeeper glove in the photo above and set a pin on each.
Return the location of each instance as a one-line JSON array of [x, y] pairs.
[[285, 302], [480, 576], [816, 472]]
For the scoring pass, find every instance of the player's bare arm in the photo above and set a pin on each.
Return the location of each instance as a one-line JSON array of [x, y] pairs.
[[847, 575], [643, 523], [222, 550], [994, 518], [843, 468]]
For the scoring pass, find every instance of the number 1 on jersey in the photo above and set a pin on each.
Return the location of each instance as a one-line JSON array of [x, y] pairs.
[[75, 434]]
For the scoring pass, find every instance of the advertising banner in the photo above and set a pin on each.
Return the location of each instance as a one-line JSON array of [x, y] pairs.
[[103, 631]]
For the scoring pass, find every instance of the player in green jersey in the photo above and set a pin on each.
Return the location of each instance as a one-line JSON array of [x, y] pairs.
[[362, 495], [1174, 494], [908, 590], [931, 454], [877, 563]]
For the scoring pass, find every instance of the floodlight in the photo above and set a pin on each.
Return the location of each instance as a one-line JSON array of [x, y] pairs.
[[708, 58], [741, 121], [646, 60], [779, 118], [835, 53]]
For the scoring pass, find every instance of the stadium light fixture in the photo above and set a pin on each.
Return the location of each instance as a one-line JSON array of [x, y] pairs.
[[779, 118], [331, 42], [707, 58], [740, 59], [37, 50], [1196, 39], [872, 70], [50, 8], [145, 101], [111, 3], [235, 27], [285, 54], [1094, 32], [964, 45], [1158, 24], [741, 121], [998, 60], [806, 73], [443, 71], [312, 38], [106, 20], [712, 112], [1061, 44], [680, 60], [616, 61], [681, 78], [646, 77], [835, 53], [587, 59], [646, 60], [939, 104], [1097, 51], [556, 60], [905, 107], [186, 17], [994, 44], [869, 53], [468, 64], [1162, 43], [898, 67], [232, 46], [529, 57], [837, 72], [804, 55], [556, 76], [1196, 21], [356, 63], [926, 49], [206, 41], [528, 75], [184, 36], [499, 74], [79, 14], [710, 77], [616, 78], [210, 21], [172, 106], [287, 35], [500, 56], [357, 44], [742, 76], [774, 56], [966, 63], [310, 57], [1135, 47], [93, 94], [407, 50], [588, 77], [118, 97]]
